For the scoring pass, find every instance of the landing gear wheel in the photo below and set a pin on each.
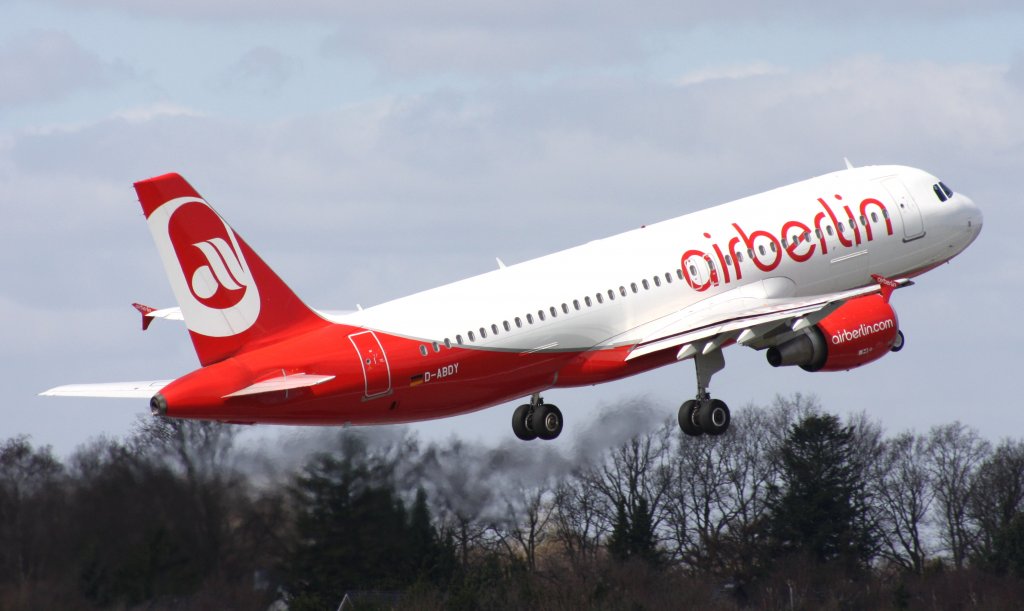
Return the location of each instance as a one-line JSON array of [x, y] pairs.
[[522, 422], [900, 342], [546, 421], [688, 419], [714, 417]]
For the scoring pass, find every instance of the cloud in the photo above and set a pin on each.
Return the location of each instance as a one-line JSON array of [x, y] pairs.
[[262, 70], [46, 66]]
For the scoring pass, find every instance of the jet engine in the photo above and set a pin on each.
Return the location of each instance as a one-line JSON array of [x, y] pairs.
[[858, 332]]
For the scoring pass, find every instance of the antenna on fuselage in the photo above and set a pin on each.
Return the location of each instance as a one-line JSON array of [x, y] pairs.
[[849, 166]]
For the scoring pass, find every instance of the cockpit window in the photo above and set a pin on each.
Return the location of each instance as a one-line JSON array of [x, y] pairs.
[[942, 191]]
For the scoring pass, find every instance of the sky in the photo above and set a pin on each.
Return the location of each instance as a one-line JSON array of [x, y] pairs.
[[371, 150]]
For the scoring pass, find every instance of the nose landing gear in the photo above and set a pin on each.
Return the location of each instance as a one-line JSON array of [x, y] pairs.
[[537, 419]]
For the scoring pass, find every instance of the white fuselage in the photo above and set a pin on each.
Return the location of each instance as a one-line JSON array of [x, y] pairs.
[[910, 231]]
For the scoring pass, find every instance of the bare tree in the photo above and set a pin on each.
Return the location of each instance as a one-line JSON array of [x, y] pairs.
[[902, 485], [998, 495], [524, 526], [954, 453]]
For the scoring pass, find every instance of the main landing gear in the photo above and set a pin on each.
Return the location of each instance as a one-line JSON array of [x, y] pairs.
[[537, 419], [704, 414]]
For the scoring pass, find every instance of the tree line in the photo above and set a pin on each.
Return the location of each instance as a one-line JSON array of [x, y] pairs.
[[793, 508]]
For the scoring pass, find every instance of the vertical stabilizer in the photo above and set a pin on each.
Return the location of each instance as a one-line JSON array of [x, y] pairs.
[[230, 299]]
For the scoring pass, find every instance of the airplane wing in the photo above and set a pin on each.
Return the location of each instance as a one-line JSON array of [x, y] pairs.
[[116, 390], [747, 320]]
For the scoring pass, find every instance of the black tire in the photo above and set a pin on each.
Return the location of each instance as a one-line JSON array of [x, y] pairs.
[[900, 342], [714, 417], [547, 421], [688, 419], [521, 422]]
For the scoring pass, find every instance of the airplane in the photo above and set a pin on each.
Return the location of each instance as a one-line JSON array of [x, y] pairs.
[[803, 272]]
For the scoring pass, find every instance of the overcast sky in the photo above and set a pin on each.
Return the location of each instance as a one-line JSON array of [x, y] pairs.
[[370, 150]]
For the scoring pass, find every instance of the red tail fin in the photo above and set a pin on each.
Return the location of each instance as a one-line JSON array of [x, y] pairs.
[[230, 299]]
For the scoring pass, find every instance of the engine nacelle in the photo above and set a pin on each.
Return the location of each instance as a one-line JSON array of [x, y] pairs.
[[860, 331]]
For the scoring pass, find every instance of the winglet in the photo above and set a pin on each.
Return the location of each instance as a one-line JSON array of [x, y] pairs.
[[145, 310]]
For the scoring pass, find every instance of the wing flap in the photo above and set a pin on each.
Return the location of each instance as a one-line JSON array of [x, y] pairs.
[[113, 390], [284, 382]]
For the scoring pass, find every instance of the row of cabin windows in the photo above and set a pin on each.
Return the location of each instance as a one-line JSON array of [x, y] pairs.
[[577, 305], [599, 297]]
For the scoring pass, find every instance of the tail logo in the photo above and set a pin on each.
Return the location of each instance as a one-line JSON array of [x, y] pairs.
[[206, 267]]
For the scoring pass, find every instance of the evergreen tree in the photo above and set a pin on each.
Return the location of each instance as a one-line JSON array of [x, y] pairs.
[[821, 509], [355, 533], [633, 534]]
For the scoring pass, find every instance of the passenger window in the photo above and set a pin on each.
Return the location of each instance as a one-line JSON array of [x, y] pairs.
[[828, 228], [494, 329], [772, 244], [447, 343], [437, 348], [885, 214], [668, 277], [863, 221], [679, 273], [600, 299], [657, 281], [519, 323], [529, 318], [632, 285], [739, 256], [565, 309], [554, 312], [483, 333], [540, 315], [587, 301], [750, 252], [646, 286], [423, 350], [458, 339], [611, 295], [622, 291], [874, 217], [472, 337], [576, 304], [728, 261], [807, 236], [817, 232], [507, 326], [761, 250], [785, 242]]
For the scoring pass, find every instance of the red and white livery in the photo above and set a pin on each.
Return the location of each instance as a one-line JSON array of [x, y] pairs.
[[804, 272]]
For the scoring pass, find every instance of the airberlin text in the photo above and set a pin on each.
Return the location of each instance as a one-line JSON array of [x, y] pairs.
[[846, 335], [796, 239]]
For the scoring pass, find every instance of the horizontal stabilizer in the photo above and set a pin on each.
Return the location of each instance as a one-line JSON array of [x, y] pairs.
[[114, 390], [285, 382]]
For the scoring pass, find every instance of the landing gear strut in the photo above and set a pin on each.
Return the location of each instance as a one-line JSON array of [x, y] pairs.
[[537, 419], [704, 414]]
